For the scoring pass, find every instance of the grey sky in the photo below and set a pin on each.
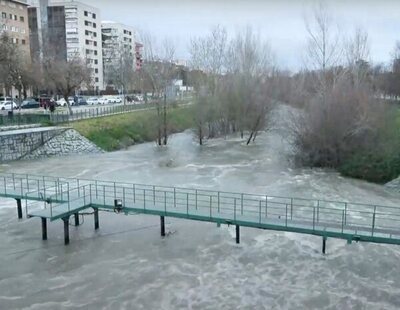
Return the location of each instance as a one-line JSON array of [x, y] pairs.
[[280, 22]]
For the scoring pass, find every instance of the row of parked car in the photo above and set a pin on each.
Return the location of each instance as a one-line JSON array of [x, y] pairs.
[[8, 103]]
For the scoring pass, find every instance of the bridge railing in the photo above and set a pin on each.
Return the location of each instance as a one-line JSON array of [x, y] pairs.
[[286, 211], [341, 217]]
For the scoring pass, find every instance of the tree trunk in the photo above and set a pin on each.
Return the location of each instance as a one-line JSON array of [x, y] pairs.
[[68, 105], [158, 123], [249, 139], [200, 134], [165, 121]]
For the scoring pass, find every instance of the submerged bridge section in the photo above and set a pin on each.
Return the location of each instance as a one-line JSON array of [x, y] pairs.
[[51, 198]]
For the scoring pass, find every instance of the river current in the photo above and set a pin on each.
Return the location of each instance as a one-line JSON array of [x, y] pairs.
[[127, 265]]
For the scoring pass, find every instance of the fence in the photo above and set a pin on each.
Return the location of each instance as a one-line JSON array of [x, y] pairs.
[[64, 117], [58, 117], [17, 119]]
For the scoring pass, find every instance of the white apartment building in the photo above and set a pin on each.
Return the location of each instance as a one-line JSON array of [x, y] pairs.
[[83, 36], [117, 38], [82, 28]]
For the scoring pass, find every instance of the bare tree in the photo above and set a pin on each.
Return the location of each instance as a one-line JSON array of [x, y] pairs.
[[324, 49], [159, 69], [15, 66], [357, 52], [236, 83], [119, 65], [67, 76]]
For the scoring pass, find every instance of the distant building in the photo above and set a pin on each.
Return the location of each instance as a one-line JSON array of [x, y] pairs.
[[68, 29], [118, 38], [139, 55], [14, 22]]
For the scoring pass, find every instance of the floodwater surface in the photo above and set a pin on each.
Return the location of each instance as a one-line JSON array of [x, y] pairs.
[[127, 265]]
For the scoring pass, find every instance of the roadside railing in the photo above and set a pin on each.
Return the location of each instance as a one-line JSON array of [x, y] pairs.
[[58, 117]]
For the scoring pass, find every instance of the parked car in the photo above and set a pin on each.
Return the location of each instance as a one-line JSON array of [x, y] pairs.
[[115, 99], [62, 103], [29, 103], [82, 101], [104, 100], [92, 100], [8, 105]]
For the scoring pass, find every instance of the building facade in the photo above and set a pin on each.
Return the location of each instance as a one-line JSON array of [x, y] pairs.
[[68, 29], [14, 22], [118, 41]]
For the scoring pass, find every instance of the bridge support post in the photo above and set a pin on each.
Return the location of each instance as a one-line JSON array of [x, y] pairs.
[[237, 234], [324, 244], [96, 218], [162, 222], [76, 217], [44, 228], [19, 208], [218, 224], [66, 230]]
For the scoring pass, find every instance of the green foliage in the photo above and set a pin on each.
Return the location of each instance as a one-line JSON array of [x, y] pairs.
[[120, 131], [380, 163], [373, 167]]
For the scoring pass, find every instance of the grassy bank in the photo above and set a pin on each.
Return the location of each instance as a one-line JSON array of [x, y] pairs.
[[120, 131]]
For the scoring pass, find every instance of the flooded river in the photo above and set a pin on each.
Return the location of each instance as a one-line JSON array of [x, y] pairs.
[[126, 265]]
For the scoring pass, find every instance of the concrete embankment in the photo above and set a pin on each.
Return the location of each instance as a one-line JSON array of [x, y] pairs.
[[43, 142]]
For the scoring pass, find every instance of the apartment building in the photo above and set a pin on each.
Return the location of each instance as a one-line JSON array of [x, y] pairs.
[[14, 22], [117, 39], [70, 29]]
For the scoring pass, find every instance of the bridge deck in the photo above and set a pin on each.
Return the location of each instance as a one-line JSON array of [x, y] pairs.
[[60, 198]]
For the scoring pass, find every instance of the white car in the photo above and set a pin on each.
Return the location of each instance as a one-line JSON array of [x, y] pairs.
[[115, 99], [8, 105], [104, 100], [62, 103], [93, 101]]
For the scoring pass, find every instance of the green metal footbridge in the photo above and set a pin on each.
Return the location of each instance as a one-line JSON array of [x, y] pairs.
[[52, 198]]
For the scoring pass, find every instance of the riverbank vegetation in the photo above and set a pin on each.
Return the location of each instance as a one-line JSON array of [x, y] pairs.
[[344, 123], [120, 131]]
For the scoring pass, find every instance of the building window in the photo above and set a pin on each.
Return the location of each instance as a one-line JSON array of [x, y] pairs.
[[86, 23], [86, 13], [94, 16], [21, 19], [95, 43], [95, 34], [11, 16], [87, 52], [96, 79], [23, 42], [96, 61], [87, 42], [96, 70], [4, 15], [15, 17], [94, 25], [95, 53]]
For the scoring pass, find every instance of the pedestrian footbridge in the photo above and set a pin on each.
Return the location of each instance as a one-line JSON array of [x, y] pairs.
[[52, 198]]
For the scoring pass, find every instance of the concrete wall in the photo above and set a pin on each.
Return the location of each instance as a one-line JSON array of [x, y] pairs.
[[43, 142]]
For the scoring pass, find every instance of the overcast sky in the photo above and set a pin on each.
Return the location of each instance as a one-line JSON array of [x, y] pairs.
[[279, 22]]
